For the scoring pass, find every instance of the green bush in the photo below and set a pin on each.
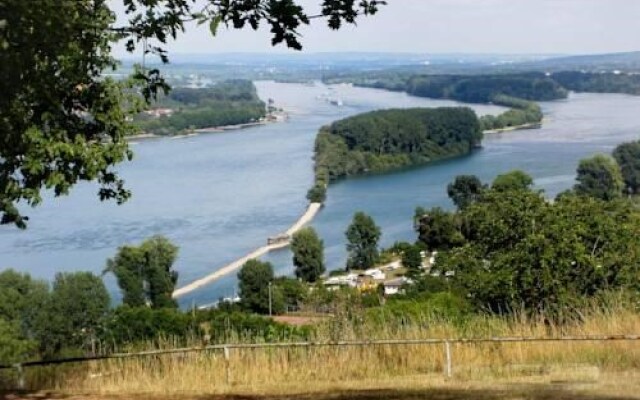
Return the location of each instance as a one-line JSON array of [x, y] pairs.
[[129, 325], [229, 327]]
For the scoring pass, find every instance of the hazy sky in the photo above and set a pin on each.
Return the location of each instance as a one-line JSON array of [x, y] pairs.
[[452, 26]]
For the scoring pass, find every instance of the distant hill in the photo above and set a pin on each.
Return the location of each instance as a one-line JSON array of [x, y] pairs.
[[596, 62], [304, 67]]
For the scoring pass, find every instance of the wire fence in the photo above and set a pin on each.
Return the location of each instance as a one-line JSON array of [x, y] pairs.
[[225, 349]]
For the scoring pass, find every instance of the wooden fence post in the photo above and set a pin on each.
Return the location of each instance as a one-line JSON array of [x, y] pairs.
[[227, 365], [20, 372], [447, 352]]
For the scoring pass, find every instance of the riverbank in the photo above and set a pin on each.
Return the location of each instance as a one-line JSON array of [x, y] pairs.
[[572, 384], [269, 119], [534, 125], [225, 128], [310, 213]]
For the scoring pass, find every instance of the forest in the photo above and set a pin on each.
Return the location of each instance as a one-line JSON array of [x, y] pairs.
[[228, 102], [483, 88], [533, 86], [596, 82]]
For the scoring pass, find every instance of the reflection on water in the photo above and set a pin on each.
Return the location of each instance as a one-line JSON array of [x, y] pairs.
[[219, 196]]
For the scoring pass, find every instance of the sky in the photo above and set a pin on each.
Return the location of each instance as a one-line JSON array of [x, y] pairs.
[[448, 26]]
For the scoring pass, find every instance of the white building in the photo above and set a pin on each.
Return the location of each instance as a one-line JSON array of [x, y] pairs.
[[335, 282], [376, 274], [395, 286], [432, 259]]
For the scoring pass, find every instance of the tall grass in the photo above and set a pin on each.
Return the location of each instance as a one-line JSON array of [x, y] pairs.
[[308, 368]]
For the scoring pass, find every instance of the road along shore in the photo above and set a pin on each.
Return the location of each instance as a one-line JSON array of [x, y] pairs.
[[310, 213]]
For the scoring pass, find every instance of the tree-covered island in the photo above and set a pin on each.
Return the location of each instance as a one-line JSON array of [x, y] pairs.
[[231, 102], [383, 140]]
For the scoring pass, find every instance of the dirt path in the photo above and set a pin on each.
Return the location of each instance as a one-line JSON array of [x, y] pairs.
[[503, 390]]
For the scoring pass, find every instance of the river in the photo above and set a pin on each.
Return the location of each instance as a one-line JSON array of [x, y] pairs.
[[219, 196]]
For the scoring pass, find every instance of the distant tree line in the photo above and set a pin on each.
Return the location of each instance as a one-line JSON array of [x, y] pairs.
[[229, 102], [483, 88], [533, 86], [227, 90], [598, 82], [518, 91]]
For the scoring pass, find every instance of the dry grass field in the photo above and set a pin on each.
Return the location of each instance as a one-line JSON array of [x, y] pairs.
[[531, 370]]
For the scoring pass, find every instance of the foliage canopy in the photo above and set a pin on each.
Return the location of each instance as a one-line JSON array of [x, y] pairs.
[[465, 190], [145, 273], [308, 255], [63, 121], [600, 177], [628, 157], [387, 139], [513, 180], [255, 281], [519, 251], [362, 242]]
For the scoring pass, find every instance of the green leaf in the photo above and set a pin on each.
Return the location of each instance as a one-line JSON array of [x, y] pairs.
[[213, 25]]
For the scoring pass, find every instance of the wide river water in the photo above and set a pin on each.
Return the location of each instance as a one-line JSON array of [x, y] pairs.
[[219, 196]]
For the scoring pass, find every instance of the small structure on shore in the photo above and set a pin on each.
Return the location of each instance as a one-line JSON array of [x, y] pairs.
[[277, 116], [279, 239]]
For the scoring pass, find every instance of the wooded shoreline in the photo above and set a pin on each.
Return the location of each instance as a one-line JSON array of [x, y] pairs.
[[196, 132]]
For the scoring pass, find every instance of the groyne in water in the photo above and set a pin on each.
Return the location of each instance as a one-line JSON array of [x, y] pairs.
[[310, 213]]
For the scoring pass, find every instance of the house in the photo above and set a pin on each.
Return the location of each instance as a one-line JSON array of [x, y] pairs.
[[375, 274], [335, 282], [395, 286], [159, 112], [365, 283]]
